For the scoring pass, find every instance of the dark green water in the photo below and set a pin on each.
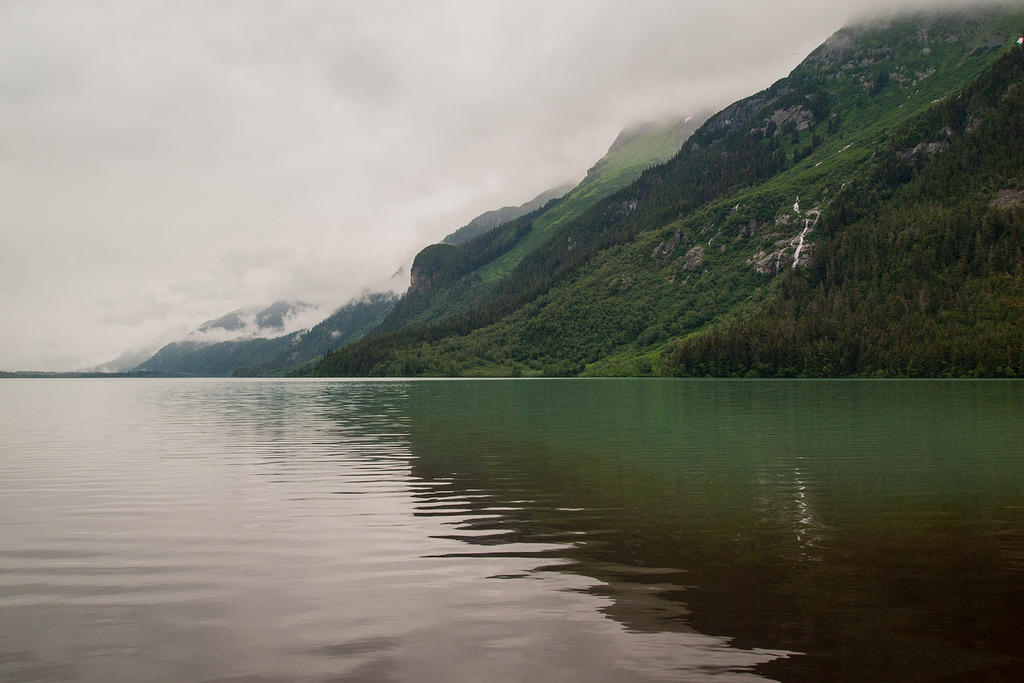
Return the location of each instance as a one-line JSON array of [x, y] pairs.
[[511, 530]]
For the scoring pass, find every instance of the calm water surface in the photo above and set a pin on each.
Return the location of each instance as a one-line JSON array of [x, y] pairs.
[[169, 530]]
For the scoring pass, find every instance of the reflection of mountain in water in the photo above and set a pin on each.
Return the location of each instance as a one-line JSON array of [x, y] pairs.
[[489, 507], [624, 498], [782, 515]]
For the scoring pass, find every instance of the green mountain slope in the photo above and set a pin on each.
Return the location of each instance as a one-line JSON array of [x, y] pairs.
[[726, 232], [920, 269], [263, 356], [635, 150], [492, 219], [451, 279]]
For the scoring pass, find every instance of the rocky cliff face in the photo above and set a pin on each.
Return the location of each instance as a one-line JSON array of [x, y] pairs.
[[438, 261], [420, 281]]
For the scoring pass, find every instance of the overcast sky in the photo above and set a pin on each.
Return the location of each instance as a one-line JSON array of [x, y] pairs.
[[163, 162]]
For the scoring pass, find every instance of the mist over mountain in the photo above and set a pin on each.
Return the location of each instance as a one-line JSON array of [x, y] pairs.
[[170, 162], [264, 340], [858, 217], [452, 279], [268, 354], [123, 221], [127, 361], [255, 321]]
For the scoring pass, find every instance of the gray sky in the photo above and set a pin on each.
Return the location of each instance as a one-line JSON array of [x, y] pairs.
[[163, 162]]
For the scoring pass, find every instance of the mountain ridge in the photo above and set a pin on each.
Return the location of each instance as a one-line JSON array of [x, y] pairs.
[[253, 341], [448, 280], [699, 240], [492, 219]]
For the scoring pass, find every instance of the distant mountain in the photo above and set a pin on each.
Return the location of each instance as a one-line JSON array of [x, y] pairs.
[[126, 361], [863, 216], [257, 321], [492, 219], [263, 355], [277, 319]]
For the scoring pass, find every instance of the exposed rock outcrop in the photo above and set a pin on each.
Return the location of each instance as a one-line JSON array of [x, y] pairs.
[[801, 117], [1008, 199], [774, 261], [666, 248], [420, 282], [925, 149], [693, 259]]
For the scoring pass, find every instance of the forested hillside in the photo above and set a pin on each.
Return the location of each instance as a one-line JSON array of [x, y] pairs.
[[920, 266], [859, 217]]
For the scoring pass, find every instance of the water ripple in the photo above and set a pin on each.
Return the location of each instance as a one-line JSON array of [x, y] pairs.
[[291, 530]]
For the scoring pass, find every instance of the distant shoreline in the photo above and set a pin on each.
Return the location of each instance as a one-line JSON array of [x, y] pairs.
[[34, 374], [37, 374]]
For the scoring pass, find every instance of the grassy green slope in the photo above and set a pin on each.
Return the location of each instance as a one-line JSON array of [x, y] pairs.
[[634, 151], [703, 240], [458, 277], [492, 219]]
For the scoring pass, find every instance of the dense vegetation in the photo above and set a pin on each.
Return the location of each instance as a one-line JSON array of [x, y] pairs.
[[837, 223], [921, 269]]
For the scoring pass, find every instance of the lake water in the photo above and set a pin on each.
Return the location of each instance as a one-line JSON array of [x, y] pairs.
[[530, 530]]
